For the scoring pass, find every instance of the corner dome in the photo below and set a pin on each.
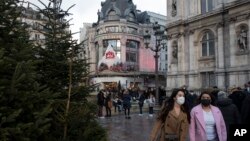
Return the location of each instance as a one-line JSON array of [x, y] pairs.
[[117, 9]]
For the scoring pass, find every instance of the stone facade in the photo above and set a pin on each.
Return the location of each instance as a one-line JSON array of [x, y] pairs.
[[213, 46]]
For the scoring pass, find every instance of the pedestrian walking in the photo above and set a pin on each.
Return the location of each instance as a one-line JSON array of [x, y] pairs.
[[108, 105], [207, 122], [100, 103], [173, 120], [115, 103], [141, 100], [151, 104], [245, 111], [119, 104], [126, 103], [229, 110], [237, 97], [247, 88]]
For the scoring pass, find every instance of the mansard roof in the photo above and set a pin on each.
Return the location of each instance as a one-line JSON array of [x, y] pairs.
[[122, 9]]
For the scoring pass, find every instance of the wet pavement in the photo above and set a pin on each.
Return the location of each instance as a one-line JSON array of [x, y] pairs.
[[137, 128]]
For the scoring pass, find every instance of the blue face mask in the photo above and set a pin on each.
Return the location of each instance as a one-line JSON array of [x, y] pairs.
[[248, 89]]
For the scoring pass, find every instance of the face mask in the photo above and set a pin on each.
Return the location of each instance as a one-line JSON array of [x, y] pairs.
[[205, 102], [180, 100], [248, 89]]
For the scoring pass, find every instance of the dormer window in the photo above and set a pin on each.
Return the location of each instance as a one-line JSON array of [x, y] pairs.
[[112, 15], [131, 16]]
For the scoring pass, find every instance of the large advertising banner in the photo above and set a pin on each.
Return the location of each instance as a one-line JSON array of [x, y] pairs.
[[110, 61]]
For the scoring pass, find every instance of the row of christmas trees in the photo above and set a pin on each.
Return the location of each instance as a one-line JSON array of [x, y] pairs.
[[42, 94]]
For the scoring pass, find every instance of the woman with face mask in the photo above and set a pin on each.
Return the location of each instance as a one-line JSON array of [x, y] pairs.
[[207, 122], [173, 120]]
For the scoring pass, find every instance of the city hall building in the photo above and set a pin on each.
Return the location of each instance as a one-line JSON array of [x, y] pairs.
[[208, 43], [114, 46]]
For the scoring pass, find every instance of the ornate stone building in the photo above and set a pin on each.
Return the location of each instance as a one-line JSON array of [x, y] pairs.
[[34, 19], [115, 46], [208, 43]]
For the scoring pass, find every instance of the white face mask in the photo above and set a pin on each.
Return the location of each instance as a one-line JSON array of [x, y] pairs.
[[180, 100], [248, 89]]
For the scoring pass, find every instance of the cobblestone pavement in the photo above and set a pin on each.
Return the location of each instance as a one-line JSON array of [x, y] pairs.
[[137, 128]]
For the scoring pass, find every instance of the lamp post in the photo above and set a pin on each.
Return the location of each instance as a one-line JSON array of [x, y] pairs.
[[160, 43]]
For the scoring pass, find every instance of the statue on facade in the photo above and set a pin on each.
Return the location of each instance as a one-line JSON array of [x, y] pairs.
[[242, 40], [174, 8], [99, 15], [175, 51]]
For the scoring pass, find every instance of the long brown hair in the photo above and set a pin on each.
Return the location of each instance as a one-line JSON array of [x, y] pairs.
[[169, 105]]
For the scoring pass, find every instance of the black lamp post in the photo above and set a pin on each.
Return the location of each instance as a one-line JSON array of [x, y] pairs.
[[160, 43]]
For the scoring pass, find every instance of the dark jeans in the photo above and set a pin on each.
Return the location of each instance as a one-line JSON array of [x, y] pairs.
[[151, 110], [100, 111], [140, 109], [125, 111], [115, 108], [108, 112], [119, 108]]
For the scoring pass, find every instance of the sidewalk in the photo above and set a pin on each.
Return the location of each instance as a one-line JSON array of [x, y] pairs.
[[137, 128]]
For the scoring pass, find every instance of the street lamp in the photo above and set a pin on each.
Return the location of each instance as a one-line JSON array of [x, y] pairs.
[[160, 43]]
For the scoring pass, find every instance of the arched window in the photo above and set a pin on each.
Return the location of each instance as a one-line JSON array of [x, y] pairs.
[[112, 15], [131, 16], [208, 44]]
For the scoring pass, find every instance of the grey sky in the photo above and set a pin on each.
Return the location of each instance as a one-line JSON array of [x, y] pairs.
[[85, 11]]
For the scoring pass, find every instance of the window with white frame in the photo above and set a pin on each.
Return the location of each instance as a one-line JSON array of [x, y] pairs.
[[208, 44], [206, 6]]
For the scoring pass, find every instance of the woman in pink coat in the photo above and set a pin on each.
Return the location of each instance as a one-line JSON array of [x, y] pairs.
[[207, 123]]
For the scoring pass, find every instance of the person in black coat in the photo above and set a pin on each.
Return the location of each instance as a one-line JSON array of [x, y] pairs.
[[100, 102], [247, 88], [126, 103], [228, 109], [245, 111], [141, 101], [108, 105], [237, 97]]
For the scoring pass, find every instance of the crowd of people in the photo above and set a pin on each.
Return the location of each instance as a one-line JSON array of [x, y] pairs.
[[122, 100], [207, 117], [185, 115]]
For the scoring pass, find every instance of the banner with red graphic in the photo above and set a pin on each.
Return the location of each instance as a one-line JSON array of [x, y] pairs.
[[109, 61]]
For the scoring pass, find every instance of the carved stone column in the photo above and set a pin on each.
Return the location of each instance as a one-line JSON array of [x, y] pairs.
[[220, 50], [233, 43]]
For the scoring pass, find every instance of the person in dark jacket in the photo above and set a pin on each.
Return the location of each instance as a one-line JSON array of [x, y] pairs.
[[247, 88], [126, 103], [108, 105], [228, 109], [245, 111], [237, 97], [141, 101], [100, 102]]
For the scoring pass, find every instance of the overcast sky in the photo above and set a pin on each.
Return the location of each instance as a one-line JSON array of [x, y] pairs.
[[85, 11]]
